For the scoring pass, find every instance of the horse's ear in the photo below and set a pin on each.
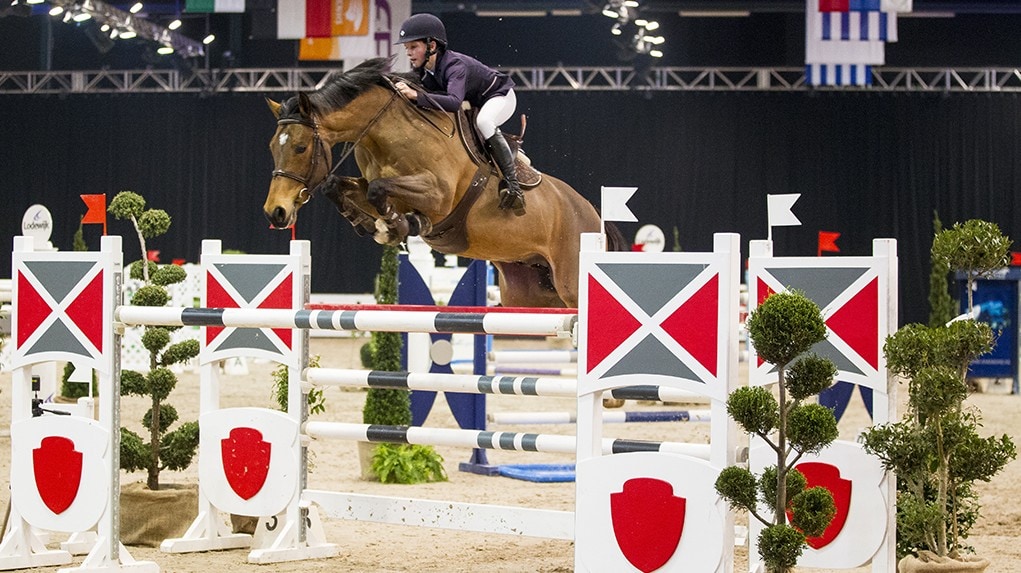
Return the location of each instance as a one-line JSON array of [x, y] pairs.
[[304, 105], [274, 107]]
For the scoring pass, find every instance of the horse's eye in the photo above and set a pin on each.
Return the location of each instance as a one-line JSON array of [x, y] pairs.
[[300, 148]]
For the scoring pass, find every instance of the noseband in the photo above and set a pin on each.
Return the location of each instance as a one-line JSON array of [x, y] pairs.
[[317, 144]]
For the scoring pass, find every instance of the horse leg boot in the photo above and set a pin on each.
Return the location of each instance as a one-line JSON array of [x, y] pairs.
[[511, 197], [391, 226]]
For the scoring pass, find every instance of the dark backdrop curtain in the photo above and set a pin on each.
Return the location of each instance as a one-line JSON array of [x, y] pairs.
[[868, 165]]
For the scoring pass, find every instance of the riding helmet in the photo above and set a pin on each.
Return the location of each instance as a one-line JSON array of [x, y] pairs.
[[423, 27]]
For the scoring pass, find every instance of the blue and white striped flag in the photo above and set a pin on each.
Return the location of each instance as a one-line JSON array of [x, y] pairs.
[[844, 39], [857, 25], [838, 74]]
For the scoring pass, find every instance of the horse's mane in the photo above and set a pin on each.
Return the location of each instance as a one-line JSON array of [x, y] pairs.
[[342, 87]]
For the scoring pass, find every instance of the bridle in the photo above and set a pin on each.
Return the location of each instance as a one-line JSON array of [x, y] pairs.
[[304, 195], [317, 144]]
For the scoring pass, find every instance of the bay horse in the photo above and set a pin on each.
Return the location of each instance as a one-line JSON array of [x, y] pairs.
[[417, 168]]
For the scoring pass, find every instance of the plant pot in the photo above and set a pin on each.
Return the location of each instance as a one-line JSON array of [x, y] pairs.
[[148, 517], [928, 562], [365, 452], [243, 524]]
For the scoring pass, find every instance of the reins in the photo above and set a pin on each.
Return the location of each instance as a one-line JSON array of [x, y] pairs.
[[305, 194], [421, 112]]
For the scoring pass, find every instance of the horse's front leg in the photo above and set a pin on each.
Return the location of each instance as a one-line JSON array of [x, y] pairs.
[[403, 204], [348, 194]]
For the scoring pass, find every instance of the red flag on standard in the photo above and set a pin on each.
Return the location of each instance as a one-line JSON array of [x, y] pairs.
[[96, 213], [828, 243]]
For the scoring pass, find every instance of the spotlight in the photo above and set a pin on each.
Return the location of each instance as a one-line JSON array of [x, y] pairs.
[[208, 39], [135, 8], [651, 25], [631, 3], [56, 11], [81, 17], [656, 53], [34, 1], [175, 24], [165, 50], [128, 34], [104, 28], [610, 12], [615, 30]]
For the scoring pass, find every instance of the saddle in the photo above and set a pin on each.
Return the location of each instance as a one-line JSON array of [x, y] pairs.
[[475, 145], [450, 234]]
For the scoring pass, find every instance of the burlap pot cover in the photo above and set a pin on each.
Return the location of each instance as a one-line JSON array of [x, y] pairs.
[[148, 517], [928, 562]]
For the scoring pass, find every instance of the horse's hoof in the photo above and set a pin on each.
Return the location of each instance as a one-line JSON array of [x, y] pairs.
[[613, 403], [418, 225]]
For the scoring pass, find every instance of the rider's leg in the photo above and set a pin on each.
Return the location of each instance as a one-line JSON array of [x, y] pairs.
[[493, 113]]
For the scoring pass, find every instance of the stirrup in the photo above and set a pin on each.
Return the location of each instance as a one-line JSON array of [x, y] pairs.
[[511, 200]]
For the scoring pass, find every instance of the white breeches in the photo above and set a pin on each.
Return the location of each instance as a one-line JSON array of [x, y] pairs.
[[494, 112]]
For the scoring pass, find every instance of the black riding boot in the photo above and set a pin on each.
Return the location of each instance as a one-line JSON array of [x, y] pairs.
[[511, 197]]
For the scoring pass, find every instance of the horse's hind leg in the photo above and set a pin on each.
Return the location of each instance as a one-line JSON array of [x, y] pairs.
[[523, 285]]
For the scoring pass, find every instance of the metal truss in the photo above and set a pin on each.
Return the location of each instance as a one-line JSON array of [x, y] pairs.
[[559, 78]]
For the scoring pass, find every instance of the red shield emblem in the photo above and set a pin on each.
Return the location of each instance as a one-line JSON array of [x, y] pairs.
[[828, 476], [647, 522], [58, 472], [245, 461]]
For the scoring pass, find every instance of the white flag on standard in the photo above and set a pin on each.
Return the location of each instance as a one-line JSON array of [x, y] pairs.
[[614, 204], [779, 209]]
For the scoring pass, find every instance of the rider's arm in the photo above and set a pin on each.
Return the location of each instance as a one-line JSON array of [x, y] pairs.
[[455, 78]]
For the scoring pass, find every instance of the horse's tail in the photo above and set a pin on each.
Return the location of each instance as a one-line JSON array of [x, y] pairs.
[[615, 240]]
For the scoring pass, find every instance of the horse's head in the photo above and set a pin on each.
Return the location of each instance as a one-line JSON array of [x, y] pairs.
[[301, 160]]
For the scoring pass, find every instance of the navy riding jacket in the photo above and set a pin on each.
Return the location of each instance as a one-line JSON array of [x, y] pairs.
[[457, 78]]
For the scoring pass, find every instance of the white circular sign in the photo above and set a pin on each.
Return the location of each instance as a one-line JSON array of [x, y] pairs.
[[651, 238], [441, 352], [37, 223]]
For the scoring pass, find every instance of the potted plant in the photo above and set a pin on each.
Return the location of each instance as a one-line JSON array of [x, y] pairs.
[[392, 463], [935, 450], [782, 329], [166, 448]]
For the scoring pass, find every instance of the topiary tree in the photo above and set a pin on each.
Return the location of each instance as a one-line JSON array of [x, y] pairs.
[[975, 248], [935, 450], [782, 329], [394, 463], [166, 449]]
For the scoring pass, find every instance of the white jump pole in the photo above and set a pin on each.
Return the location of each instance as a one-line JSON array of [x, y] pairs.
[[527, 324], [476, 384]]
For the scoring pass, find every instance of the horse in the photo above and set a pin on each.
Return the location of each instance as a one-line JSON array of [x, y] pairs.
[[419, 177]]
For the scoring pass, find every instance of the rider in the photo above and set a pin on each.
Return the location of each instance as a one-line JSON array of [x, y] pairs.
[[453, 78]]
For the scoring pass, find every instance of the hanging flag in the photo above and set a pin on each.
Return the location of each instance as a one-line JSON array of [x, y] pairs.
[[297, 19], [96, 213], [779, 210], [827, 243], [360, 30], [206, 6], [857, 25], [613, 201], [844, 38]]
